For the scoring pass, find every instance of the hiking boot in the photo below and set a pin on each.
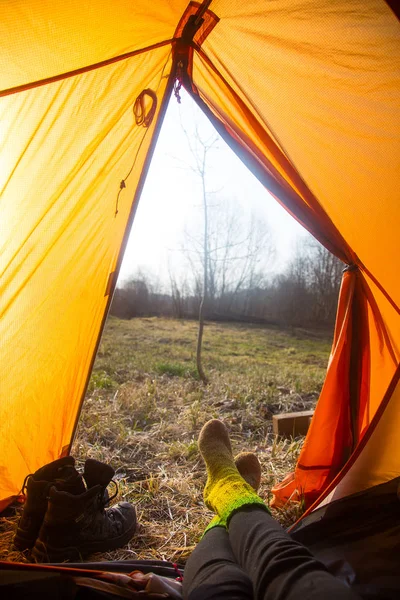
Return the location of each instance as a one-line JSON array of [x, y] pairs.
[[60, 473], [78, 524]]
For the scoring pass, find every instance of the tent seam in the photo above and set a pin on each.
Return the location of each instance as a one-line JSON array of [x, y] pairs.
[[104, 63]]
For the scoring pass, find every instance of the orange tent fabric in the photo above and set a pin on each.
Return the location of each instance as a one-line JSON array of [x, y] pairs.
[[307, 94]]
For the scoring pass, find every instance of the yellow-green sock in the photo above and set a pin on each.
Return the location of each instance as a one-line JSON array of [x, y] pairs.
[[226, 491], [249, 468]]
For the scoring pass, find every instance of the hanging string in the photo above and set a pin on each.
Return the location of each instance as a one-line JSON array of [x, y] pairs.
[[144, 119], [122, 186]]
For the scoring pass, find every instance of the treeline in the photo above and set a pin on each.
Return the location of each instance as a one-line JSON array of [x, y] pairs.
[[304, 295]]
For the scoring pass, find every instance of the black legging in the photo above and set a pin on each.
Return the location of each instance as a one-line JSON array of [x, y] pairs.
[[257, 560]]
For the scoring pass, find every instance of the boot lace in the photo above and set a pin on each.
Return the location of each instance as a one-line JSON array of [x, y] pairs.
[[115, 493], [24, 485], [45, 491], [61, 470], [104, 499], [97, 522], [110, 498]]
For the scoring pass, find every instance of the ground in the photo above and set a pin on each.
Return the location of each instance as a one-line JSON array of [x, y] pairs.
[[145, 407]]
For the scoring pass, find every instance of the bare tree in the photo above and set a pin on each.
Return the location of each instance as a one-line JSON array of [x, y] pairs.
[[307, 292], [325, 273], [200, 148], [179, 293], [232, 249], [200, 151], [140, 296], [239, 248]]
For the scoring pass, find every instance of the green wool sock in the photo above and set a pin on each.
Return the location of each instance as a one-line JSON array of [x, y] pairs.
[[226, 491], [249, 468]]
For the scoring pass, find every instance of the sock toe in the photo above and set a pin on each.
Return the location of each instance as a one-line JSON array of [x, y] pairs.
[[214, 437], [249, 468], [215, 447]]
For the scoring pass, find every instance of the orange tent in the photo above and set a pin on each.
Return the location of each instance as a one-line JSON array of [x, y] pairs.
[[307, 94]]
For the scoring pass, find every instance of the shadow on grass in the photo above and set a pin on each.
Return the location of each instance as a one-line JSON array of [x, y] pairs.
[[175, 370]]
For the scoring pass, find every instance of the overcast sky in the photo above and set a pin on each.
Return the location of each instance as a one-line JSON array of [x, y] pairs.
[[171, 199]]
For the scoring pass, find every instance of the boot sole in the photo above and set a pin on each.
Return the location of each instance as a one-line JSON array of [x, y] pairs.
[[44, 553]]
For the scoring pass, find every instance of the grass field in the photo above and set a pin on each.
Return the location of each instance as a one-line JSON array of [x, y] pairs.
[[145, 407]]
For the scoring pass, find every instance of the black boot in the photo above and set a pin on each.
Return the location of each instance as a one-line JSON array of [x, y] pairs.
[[78, 524], [60, 473]]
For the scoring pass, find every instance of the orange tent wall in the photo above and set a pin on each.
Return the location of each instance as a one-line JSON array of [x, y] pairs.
[[66, 219]]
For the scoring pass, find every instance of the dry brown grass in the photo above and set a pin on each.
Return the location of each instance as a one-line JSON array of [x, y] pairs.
[[145, 424]]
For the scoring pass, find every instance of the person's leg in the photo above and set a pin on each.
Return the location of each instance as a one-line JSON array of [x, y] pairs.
[[291, 571], [212, 573], [279, 567]]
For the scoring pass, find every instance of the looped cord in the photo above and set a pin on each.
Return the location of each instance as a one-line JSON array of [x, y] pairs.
[[141, 118], [139, 109]]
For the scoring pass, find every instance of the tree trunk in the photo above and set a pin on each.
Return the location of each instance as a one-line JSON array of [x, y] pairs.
[[200, 370]]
